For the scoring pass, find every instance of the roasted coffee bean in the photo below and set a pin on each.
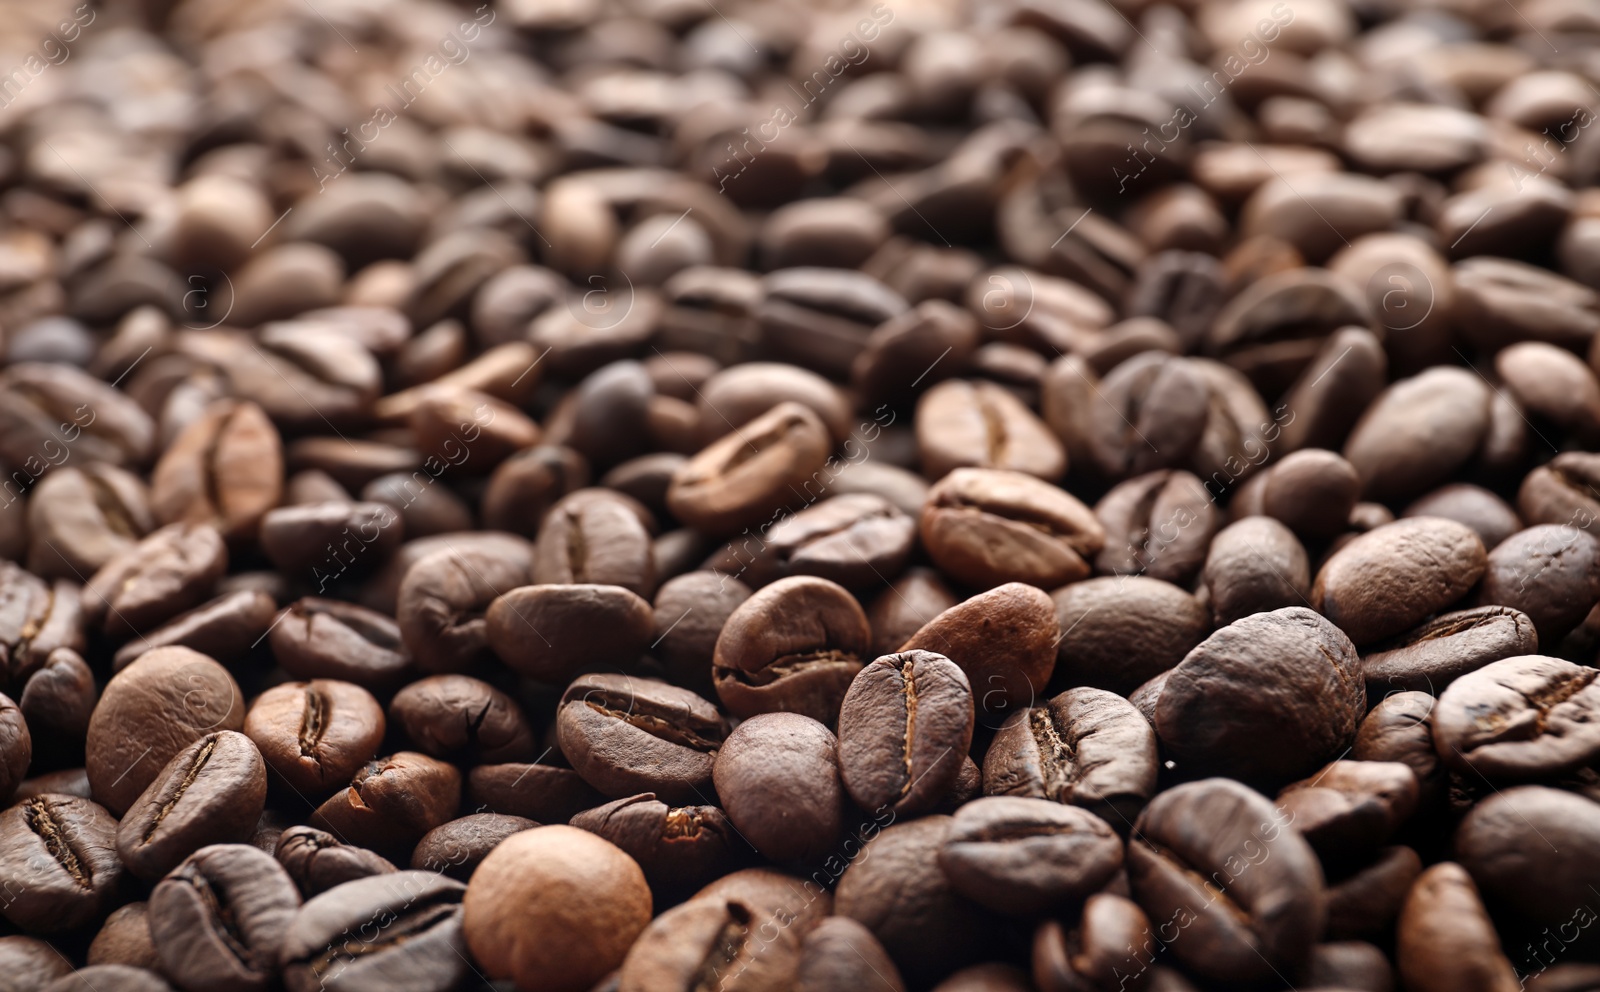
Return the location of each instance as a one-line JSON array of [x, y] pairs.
[[1096, 955], [79, 519], [1419, 432], [678, 848], [455, 849], [896, 888], [219, 919], [324, 541], [1119, 632], [172, 570], [58, 862], [317, 860], [979, 424], [163, 702], [1023, 856], [858, 540], [904, 727], [31, 963], [1210, 718], [125, 939], [70, 782], [1400, 728], [1219, 855], [543, 793], [529, 885], [712, 935], [933, 335], [1364, 905], [1330, 395], [1086, 747], [551, 632], [986, 527], [1390, 578], [326, 638], [1350, 964], [1435, 654], [629, 735], [443, 600], [1157, 525], [839, 954], [599, 541], [49, 413], [794, 645], [1550, 573], [418, 945], [820, 318], [1350, 808], [527, 484], [1003, 639], [1256, 565], [315, 735], [55, 706], [211, 792], [36, 618], [730, 398], [1564, 491], [1519, 719], [1544, 885], [1311, 492], [690, 610], [1445, 939], [123, 978], [777, 775], [1500, 301], [738, 480], [392, 802], [906, 607], [458, 718], [225, 470], [1487, 514], [225, 627], [1151, 412], [424, 509]]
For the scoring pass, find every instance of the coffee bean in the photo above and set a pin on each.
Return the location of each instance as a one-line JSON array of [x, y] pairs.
[[31, 963], [315, 735], [979, 424], [1097, 954], [163, 702], [1519, 719], [1219, 855], [225, 470], [740, 479], [50, 412], [1158, 525], [1326, 401], [859, 541], [840, 953], [227, 626], [392, 802], [986, 527], [443, 600], [1512, 301], [1255, 566], [678, 848], [1364, 905], [794, 645], [125, 939], [324, 541], [1209, 718], [1495, 842], [211, 792], [58, 862], [1550, 573], [220, 918], [406, 935], [933, 335], [424, 509], [38, 618], [1418, 432], [55, 706], [1445, 939], [1487, 514], [459, 718], [1151, 412], [1400, 728], [172, 570], [1003, 639], [1086, 747], [1564, 491], [1350, 808], [820, 318], [1390, 578], [730, 398], [121, 977], [778, 777], [525, 486], [317, 861], [326, 638], [1447, 647], [543, 793], [690, 611], [628, 735], [599, 541], [454, 849], [1119, 632], [1023, 856], [79, 519], [903, 728], [550, 632], [525, 886], [906, 606]]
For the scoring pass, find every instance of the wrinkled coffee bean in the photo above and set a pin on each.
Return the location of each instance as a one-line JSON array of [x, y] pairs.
[[1519, 719], [317, 861], [391, 802], [58, 862], [1023, 856], [986, 527], [1447, 647], [315, 735], [778, 777], [904, 725], [211, 792], [679, 848], [219, 919], [629, 735], [1445, 939], [418, 945]]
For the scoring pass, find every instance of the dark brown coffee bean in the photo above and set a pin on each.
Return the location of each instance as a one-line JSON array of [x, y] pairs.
[[543, 793], [55, 707], [125, 939], [1158, 525], [794, 645], [1364, 905], [628, 735], [36, 618], [551, 632], [599, 541], [1086, 747], [1024, 856], [317, 861], [1487, 514], [219, 919], [172, 570], [528, 483], [1330, 395], [1312, 492], [454, 849], [906, 607], [392, 802], [123, 978], [986, 527], [462, 719], [315, 735], [1210, 718], [1183, 288], [399, 930], [443, 600], [1551, 573], [1388, 579], [1255, 566], [211, 792], [820, 318], [49, 413], [689, 613], [1419, 432], [31, 963], [740, 479], [1445, 939], [933, 335], [69, 782], [1217, 855], [679, 848], [1448, 647], [778, 777], [839, 954], [1499, 302], [1544, 885], [1119, 632], [979, 424], [1003, 639], [1099, 954], [424, 508], [645, 478], [225, 470], [1350, 808], [163, 702], [79, 519], [1149, 414], [1400, 728], [58, 863], [327, 638], [733, 397], [227, 626], [904, 727], [858, 540], [1519, 719], [324, 541]]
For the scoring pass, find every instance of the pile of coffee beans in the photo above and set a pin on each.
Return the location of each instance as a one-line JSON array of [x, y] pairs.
[[799, 496]]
